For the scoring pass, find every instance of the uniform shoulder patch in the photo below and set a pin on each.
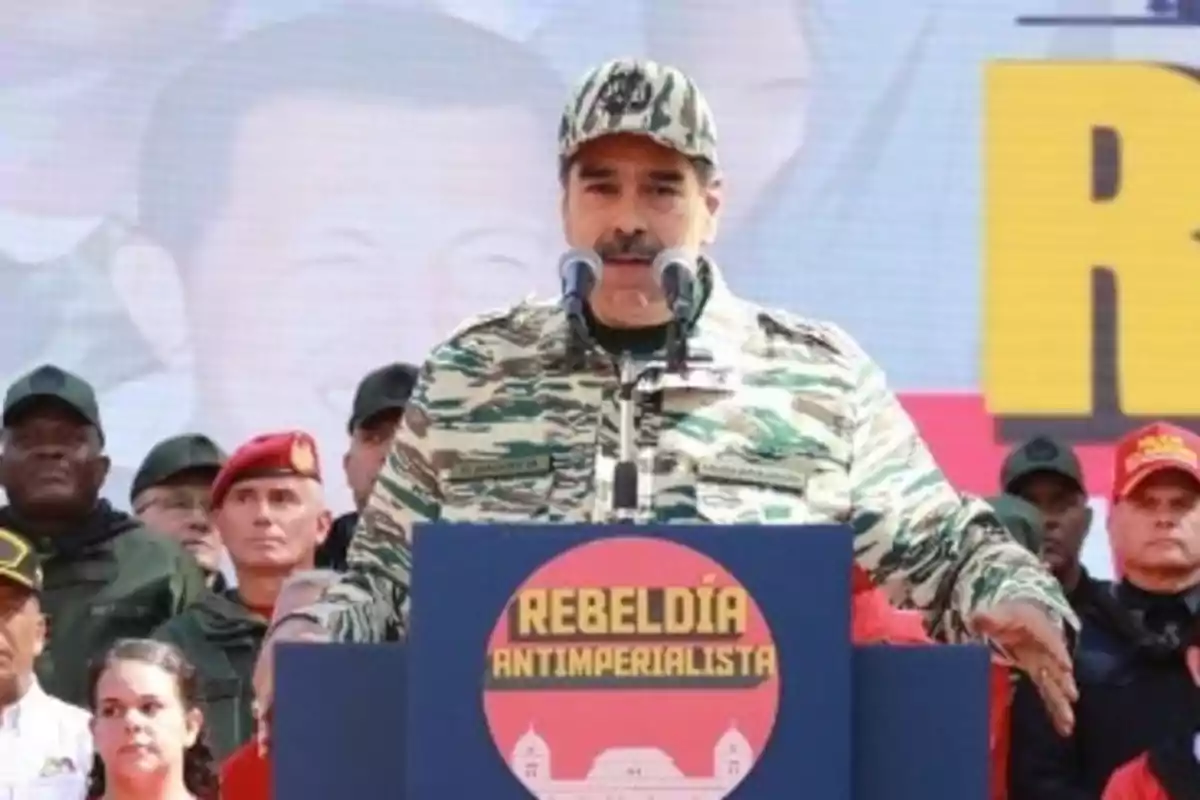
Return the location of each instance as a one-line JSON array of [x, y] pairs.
[[799, 330]]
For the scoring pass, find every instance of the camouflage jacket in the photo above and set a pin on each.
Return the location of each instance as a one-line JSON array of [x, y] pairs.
[[786, 421], [221, 637]]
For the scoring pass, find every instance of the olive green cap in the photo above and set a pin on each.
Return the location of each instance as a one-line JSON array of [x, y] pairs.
[[56, 385], [1040, 454], [176, 455]]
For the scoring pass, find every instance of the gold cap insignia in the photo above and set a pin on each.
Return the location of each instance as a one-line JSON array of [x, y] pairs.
[[304, 460]]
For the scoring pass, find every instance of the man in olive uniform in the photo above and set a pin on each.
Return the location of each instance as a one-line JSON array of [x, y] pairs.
[[172, 494], [1048, 474], [269, 508], [777, 420], [106, 576], [378, 405]]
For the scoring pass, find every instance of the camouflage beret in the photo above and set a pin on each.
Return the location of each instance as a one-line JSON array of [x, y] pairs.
[[642, 97]]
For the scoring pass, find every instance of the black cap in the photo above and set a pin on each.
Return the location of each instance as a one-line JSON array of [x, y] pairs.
[[1040, 454], [170, 457], [19, 562], [385, 389], [55, 384], [1022, 519]]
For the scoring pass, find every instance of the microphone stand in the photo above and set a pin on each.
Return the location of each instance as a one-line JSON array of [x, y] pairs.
[[625, 473], [579, 340], [677, 345]]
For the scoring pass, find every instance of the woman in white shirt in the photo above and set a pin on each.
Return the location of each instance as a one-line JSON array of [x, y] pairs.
[[148, 727]]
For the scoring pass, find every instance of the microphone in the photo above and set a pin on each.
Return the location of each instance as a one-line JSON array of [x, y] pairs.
[[577, 271], [676, 274]]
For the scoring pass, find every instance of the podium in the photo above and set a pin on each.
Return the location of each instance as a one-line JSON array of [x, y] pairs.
[[630, 663]]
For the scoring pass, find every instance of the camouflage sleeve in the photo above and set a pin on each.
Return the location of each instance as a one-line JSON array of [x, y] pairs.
[[369, 602], [946, 555]]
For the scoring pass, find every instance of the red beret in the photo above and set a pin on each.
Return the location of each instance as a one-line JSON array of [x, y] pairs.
[[287, 453]]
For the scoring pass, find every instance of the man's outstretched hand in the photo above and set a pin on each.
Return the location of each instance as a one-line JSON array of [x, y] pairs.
[[1038, 648]]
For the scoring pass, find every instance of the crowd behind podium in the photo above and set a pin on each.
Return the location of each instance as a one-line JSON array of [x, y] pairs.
[[123, 644]]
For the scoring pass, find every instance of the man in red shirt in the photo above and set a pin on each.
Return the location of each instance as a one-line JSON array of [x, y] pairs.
[[246, 774]]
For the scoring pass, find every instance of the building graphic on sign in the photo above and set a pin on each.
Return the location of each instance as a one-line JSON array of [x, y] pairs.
[[632, 773]]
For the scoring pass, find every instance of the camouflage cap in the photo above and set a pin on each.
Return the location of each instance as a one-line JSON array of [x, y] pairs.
[[19, 561], [178, 454], [1040, 454], [1022, 519], [56, 385], [628, 95]]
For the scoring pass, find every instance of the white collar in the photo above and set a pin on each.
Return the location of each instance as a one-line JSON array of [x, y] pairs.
[[10, 716]]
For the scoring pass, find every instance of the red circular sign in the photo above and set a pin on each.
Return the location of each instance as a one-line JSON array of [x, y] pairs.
[[630, 666]]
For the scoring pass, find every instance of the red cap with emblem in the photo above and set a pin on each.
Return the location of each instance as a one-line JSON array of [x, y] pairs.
[[286, 453], [1154, 448]]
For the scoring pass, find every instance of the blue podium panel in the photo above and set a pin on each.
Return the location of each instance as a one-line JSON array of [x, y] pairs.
[[568, 655], [921, 722], [339, 728]]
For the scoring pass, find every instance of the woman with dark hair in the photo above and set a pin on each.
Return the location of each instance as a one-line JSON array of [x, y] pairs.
[[148, 727]]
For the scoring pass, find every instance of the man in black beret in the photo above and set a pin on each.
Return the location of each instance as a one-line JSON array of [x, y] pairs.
[[172, 494], [378, 405]]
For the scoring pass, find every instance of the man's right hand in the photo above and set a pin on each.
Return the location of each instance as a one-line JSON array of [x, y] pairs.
[[296, 629]]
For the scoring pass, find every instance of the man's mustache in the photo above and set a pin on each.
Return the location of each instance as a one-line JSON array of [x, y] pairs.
[[634, 247]]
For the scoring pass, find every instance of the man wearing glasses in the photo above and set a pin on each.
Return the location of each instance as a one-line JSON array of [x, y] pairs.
[[172, 493]]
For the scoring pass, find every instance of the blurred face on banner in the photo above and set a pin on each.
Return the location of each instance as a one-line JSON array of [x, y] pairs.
[[353, 232], [104, 32]]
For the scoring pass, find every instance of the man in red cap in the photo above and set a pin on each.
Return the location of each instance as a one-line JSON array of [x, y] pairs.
[[270, 508], [1135, 687]]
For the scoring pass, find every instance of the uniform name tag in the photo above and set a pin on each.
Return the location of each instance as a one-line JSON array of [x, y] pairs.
[[753, 474], [482, 469], [697, 379]]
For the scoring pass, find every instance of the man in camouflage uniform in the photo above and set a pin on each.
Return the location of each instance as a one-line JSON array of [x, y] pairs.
[[269, 507], [786, 421]]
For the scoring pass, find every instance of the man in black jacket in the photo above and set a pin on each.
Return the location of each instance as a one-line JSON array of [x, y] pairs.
[[1134, 687], [378, 405], [106, 577]]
